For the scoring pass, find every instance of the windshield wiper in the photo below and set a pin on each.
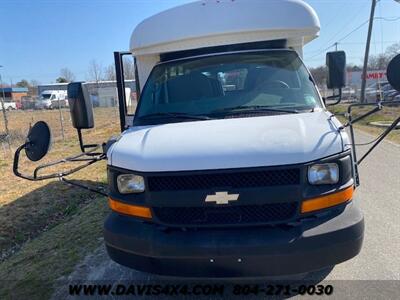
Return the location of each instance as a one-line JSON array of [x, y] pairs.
[[255, 108], [176, 115]]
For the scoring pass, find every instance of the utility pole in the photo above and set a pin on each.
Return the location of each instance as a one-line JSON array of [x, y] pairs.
[[7, 137], [366, 57], [336, 46], [61, 119]]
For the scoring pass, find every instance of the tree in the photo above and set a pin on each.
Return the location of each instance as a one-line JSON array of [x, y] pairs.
[[33, 87], [381, 61], [23, 83], [95, 71], [354, 68], [319, 75], [110, 73], [393, 50], [61, 80], [67, 75], [129, 68]]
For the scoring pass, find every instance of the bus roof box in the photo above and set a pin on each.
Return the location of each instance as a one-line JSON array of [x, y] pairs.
[[211, 23]]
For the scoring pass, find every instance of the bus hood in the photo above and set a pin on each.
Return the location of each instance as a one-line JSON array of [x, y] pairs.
[[229, 143]]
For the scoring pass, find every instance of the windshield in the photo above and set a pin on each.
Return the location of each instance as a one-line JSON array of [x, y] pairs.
[[45, 96], [274, 81]]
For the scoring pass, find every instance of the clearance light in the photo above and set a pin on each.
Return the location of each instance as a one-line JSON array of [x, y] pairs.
[[128, 209], [327, 201]]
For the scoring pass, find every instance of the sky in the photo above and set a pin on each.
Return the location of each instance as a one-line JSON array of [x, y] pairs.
[[40, 37]]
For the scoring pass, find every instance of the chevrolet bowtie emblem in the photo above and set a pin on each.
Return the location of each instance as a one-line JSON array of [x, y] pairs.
[[222, 198]]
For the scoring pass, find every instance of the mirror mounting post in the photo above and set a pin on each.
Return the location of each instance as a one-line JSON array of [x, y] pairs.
[[119, 74], [339, 97], [85, 147]]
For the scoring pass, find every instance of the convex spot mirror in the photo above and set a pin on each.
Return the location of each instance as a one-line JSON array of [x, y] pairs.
[[80, 106], [336, 64], [38, 141], [393, 72]]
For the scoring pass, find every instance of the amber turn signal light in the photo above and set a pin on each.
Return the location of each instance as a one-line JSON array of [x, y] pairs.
[[327, 201], [128, 209]]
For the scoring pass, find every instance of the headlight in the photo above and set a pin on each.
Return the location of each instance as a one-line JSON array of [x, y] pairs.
[[130, 183], [323, 174]]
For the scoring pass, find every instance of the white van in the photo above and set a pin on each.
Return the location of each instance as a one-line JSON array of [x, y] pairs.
[[50, 99], [231, 166]]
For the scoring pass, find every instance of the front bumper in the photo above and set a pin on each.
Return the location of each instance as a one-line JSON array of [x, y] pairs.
[[236, 252]]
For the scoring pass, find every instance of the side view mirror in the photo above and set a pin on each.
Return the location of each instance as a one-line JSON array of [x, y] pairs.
[[336, 63], [38, 141], [80, 105], [393, 72]]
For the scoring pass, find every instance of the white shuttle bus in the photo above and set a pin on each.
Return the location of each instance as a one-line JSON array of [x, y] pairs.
[[231, 166]]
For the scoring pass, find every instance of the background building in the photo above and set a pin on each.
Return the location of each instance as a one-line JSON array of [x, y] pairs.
[[13, 93], [102, 93]]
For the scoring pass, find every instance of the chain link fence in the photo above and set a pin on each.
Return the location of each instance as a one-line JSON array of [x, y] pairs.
[[20, 121]]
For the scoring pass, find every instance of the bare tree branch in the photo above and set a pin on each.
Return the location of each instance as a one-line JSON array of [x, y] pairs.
[[67, 74], [109, 72], [95, 71], [129, 68]]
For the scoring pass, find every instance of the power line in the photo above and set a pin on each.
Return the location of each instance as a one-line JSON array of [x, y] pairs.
[[353, 18], [351, 32]]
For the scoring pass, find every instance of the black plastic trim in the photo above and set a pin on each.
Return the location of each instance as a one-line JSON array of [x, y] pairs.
[[248, 196], [265, 251]]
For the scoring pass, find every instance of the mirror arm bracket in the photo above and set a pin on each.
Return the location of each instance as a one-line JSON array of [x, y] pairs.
[[378, 107], [83, 147], [339, 96], [16, 162], [383, 135], [88, 157], [88, 188], [351, 121]]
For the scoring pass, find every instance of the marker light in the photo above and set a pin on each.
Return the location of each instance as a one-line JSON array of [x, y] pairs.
[[128, 209], [323, 174], [130, 183], [327, 200]]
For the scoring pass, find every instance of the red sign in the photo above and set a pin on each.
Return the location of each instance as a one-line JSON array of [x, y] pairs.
[[376, 75]]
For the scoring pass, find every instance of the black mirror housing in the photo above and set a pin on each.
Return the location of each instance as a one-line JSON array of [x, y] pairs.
[[80, 106], [336, 63], [393, 72], [38, 141]]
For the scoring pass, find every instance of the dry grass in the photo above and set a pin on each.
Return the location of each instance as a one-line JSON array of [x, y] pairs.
[[47, 227], [28, 208], [32, 273]]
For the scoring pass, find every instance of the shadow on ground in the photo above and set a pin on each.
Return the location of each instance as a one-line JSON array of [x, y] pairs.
[[26, 217]]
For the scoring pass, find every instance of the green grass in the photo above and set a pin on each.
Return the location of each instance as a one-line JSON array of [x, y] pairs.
[[31, 273], [388, 114]]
